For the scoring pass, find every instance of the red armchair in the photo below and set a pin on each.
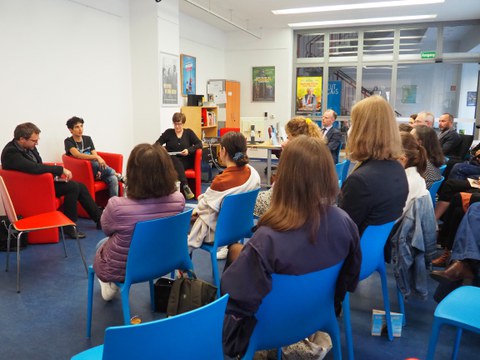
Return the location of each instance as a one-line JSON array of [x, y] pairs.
[[194, 176], [32, 195], [82, 172]]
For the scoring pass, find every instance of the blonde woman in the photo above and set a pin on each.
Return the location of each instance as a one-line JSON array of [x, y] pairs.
[[376, 191]]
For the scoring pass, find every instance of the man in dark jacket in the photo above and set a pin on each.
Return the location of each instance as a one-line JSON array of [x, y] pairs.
[[332, 135], [449, 139], [21, 154]]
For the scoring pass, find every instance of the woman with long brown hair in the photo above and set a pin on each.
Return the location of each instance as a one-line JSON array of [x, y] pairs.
[[302, 232]]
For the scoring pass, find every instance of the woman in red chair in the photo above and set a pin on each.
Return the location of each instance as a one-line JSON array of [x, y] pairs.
[[181, 144]]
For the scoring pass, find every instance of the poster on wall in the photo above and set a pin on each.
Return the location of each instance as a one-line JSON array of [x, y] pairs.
[[263, 83], [471, 98], [334, 96], [189, 74], [309, 95], [169, 79], [409, 94]]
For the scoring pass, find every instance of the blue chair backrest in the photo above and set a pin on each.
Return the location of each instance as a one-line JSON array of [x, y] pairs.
[[434, 189], [297, 306], [442, 168], [372, 244], [235, 220], [195, 334], [157, 247], [339, 167]]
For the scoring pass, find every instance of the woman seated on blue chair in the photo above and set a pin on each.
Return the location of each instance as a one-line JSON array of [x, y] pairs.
[[428, 138], [302, 232], [238, 177], [151, 194]]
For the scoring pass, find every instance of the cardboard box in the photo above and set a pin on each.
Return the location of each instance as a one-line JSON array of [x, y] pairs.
[[379, 323]]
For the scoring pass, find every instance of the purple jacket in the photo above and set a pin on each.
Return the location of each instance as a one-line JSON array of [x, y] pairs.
[[118, 221]]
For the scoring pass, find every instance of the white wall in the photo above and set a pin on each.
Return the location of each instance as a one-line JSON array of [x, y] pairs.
[[468, 83], [60, 58]]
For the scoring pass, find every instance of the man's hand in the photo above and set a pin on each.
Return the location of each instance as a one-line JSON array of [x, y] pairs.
[[101, 162], [184, 152], [67, 173]]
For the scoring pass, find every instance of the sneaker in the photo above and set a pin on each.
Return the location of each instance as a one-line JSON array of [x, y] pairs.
[[222, 253], [121, 178], [188, 192], [109, 290], [74, 234]]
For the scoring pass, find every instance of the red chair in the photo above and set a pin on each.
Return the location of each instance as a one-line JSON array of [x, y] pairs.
[[82, 172], [47, 220], [195, 175], [223, 131], [32, 195]]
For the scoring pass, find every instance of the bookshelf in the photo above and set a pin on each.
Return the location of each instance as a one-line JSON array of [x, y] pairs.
[[202, 118]]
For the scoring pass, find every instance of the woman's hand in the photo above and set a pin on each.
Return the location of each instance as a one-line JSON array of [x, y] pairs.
[[184, 152]]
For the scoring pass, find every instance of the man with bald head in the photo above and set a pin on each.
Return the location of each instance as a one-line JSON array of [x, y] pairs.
[[449, 139], [424, 118]]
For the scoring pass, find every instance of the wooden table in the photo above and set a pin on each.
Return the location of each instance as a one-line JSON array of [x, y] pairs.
[[269, 147]]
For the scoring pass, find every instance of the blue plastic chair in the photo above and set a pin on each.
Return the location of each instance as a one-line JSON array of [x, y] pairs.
[[434, 189], [339, 167], [442, 168], [235, 222], [297, 307], [162, 339], [460, 308], [372, 244], [158, 247]]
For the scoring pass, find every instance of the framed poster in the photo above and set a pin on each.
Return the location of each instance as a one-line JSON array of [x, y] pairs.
[[169, 79], [409, 94], [263, 83], [188, 65], [471, 98], [309, 94]]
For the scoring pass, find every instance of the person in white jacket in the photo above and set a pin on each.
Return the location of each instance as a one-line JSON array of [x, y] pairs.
[[238, 177]]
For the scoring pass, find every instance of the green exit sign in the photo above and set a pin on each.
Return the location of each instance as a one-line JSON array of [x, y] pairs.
[[428, 54]]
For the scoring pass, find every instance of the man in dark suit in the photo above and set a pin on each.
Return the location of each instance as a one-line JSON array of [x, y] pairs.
[[21, 154], [332, 135], [449, 139]]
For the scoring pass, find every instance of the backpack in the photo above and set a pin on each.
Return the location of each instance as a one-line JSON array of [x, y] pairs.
[[188, 294], [4, 224]]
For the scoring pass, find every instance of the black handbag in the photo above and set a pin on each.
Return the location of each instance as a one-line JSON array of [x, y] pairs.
[[161, 293]]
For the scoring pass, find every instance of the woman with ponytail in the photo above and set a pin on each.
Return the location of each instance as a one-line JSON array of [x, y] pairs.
[[238, 177], [414, 160]]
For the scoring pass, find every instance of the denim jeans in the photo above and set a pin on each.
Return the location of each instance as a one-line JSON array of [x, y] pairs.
[[462, 171], [108, 176]]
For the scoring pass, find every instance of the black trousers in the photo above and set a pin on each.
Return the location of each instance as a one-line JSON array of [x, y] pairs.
[[72, 192], [181, 163]]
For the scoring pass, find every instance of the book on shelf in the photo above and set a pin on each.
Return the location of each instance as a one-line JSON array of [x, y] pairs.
[[211, 118]]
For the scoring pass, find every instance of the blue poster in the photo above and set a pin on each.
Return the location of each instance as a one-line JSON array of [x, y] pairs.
[[334, 95]]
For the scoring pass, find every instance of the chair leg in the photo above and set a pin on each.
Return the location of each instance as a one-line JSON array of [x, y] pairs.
[[433, 338], [18, 260], [386, 302], [458, 337], [401, 304], [63, 241], [347, 326], [8, 247], [81, 251], [334, 332], [91, 280], [216, 277], [125, 292]]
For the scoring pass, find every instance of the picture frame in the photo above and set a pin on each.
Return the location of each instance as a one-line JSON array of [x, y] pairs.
[[263, 84], [169, 80], [471, 98], [188, 77]]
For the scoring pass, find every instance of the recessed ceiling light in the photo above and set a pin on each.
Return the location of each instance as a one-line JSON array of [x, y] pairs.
[[368, 5], [361, 21]]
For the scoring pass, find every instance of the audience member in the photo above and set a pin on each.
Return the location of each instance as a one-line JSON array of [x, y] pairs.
[[151, 194], [449, 139], [81, 147], [238, 177], [466, 169], [428, 138], [411, 119], [414, 160], [21, 154], [181, 144], [376, 190], [332, 135], [405, 127], [424, 118], [302, 232]]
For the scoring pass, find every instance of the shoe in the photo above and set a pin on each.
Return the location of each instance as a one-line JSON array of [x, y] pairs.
[[74, 234], [442, 260], [121, 178], [222, 253], [459, 270], [109, 290], [188, 192]]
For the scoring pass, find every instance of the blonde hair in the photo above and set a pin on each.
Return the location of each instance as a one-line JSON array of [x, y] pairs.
[[306, 184], [302, 126], [374, 133]]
